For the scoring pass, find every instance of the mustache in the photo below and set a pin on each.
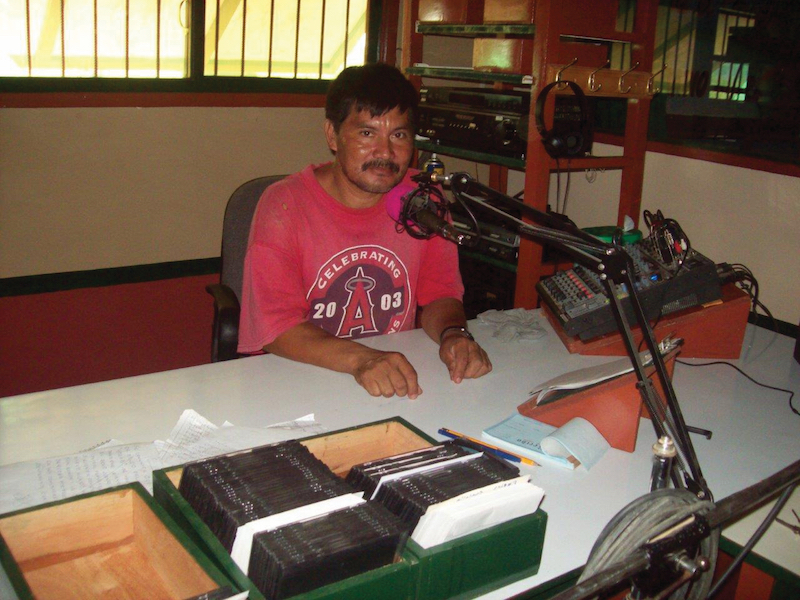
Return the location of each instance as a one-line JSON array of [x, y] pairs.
[[381, 164]]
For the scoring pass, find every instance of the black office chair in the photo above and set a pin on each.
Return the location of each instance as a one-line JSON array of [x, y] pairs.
[[235, 232]]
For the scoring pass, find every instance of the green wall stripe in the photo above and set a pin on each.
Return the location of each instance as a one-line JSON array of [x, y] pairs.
[[58, 282]]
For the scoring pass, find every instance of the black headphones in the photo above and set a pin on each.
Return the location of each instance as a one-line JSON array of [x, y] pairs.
[[557, 142]]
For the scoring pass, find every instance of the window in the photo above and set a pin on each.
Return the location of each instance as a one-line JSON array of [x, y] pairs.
[[732, 81], [729, 79], [687, 72], [154, 39]]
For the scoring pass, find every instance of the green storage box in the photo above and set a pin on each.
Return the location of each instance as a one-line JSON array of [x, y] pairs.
[[339, 450], [116, 543], [463, 567], [480, 562]]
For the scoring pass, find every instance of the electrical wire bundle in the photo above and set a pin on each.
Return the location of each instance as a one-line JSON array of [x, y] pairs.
[[667, 241], [641, 521], [747, 282]]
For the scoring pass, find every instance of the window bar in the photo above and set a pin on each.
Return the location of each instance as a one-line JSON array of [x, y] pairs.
[[725, 35], [297, 39], [677, 48], [689, 53], [244, 26], [158, 39], [666, 37], [127, 37], [626, 48], [216, 40], [63, 44], [271, 30], [28, 38], [321, 39], [95, 39], [346, 32]]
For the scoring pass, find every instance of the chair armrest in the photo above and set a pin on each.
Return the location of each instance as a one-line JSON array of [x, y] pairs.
[[225, 333]]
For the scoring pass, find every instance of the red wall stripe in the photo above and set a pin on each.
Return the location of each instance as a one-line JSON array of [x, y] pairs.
[[82, 336]]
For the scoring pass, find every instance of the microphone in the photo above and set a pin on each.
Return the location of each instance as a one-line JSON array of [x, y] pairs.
[[413, 208]]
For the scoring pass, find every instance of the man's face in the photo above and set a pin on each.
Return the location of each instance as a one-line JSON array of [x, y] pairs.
[[373, 152]]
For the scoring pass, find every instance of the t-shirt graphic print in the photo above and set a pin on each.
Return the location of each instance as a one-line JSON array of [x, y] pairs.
[[360, 292]]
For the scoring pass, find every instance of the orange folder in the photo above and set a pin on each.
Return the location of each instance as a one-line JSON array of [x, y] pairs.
[[613, 406]]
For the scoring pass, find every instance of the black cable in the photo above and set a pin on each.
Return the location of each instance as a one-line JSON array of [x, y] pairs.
[[753, 540], [558, 185], [764, 385], [657, 226], [566, 189]]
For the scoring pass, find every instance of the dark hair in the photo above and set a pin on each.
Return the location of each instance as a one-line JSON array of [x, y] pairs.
[[376, 87]]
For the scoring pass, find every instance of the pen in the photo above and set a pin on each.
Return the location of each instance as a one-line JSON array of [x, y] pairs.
[[488, 447]]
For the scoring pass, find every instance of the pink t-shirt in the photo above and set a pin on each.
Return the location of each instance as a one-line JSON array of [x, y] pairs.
[[347, 270]]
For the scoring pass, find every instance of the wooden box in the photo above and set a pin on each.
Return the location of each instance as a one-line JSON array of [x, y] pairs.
[[117, 543], [405, 579], [714, 331]]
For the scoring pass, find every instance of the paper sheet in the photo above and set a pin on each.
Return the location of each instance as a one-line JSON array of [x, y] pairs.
[[112, 462], [477, 510], [243, 542], [548, 445], [31, 483], [559, 386]]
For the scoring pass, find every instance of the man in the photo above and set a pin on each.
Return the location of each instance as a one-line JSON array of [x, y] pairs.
[[326, 265]]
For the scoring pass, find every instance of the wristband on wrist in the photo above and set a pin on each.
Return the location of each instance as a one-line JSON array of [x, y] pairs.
[[462, 331]]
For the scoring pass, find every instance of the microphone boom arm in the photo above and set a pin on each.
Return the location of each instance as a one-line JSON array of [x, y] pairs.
[[614, 267]]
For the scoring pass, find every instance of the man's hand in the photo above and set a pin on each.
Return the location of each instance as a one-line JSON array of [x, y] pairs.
[[464, 358], [380, 373], [387, 374]]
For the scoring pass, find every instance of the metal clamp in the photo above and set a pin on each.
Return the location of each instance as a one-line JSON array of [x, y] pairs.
[[622, 79], [596, 87], [561, 70], [650, 88]]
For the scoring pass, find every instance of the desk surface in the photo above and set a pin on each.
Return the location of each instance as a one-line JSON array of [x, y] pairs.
[[755, 433]]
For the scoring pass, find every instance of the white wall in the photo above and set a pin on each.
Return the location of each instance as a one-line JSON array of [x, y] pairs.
[[89, 188]]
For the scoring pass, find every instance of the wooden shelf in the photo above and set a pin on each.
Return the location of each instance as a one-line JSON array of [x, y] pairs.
[[470, 75], [481, 157], [475, 31], [565, 33], [574, 164], [591, 162]]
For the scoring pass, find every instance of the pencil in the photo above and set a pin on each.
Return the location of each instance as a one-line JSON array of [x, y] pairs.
[[494, 449]]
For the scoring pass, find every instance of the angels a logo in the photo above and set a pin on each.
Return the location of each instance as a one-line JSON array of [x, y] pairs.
[[361, 291]]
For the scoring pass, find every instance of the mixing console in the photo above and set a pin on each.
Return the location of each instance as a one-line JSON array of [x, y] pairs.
[[577, 296]]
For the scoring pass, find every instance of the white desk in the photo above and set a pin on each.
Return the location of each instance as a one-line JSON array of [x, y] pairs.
[[755, 433]]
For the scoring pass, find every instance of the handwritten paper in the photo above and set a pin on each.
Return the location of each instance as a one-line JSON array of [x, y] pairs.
[[112, 462]]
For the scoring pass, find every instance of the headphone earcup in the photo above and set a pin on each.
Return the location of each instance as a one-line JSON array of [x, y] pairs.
[[573, 143], [563, 144]]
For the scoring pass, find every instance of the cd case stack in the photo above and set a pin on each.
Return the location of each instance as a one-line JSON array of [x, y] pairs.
[[310, 554], [426, 477], [228, 492], [474, 563]]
